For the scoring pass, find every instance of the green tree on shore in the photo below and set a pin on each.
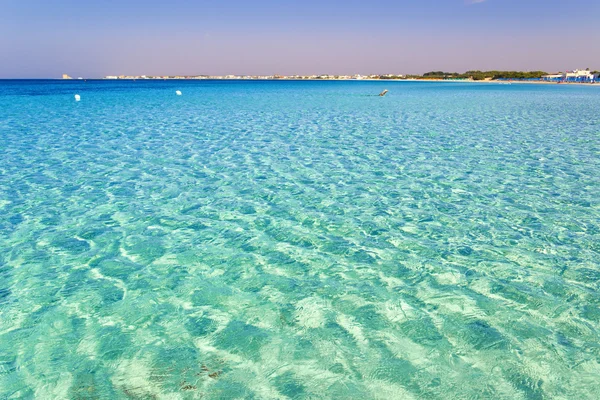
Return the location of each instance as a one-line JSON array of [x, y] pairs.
[[482, 75]]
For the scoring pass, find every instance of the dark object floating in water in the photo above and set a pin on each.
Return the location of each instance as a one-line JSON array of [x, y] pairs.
[[383, 93]]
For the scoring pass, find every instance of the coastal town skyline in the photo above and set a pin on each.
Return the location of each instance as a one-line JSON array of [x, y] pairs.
[[44, 40], [577, 75]]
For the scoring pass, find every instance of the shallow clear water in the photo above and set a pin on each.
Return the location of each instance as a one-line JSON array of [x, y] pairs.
[[299, 240]]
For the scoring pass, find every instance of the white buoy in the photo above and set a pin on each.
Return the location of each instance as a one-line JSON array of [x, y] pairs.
[[178, 93], [77, 97]]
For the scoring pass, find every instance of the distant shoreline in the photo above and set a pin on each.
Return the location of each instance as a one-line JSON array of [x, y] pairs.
[[498, 82]]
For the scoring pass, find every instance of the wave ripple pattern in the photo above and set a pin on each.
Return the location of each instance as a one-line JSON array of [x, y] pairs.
[[299, 240]]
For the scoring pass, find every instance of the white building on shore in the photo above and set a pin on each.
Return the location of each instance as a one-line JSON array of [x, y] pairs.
[[577, 75]]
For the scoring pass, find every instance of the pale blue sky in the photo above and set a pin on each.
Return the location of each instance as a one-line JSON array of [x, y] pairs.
[[40, 38]]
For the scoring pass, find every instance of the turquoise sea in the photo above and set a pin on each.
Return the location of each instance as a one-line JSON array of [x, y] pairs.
[[299, 240]]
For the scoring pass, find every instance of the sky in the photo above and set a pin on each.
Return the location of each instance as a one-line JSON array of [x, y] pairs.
[[93, 38]]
